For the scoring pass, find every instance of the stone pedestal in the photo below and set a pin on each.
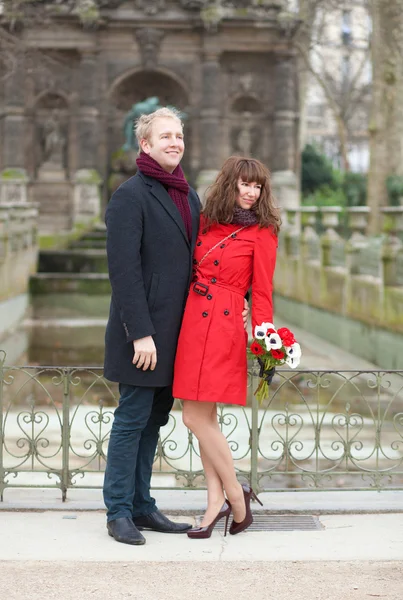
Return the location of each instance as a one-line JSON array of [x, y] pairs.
[[286, 191], [51, 172], [13, 186], [55, 200], [87, 196]]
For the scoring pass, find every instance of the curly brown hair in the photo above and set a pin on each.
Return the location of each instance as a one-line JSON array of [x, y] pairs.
[[222, 195]]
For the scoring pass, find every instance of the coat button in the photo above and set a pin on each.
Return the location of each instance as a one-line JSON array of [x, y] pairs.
[[213, 280], [198, 244], [194, 261], [222, 246], [216, 262], [209, 297], [226, 312], [205, 314]]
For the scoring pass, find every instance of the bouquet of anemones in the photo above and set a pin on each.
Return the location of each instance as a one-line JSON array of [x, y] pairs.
[[273, 348]]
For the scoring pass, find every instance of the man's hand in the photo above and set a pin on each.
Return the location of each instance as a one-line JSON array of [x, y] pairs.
[[245, 313], [145, 353]]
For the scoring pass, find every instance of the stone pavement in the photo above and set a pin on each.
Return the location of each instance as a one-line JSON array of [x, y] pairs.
[[60, 555], [82, 537], [191, 502], [62, 551]]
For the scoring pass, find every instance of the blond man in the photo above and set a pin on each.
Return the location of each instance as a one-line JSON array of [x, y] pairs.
[[152, 223]]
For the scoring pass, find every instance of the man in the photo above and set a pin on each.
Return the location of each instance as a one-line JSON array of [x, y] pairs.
[[152, 223]]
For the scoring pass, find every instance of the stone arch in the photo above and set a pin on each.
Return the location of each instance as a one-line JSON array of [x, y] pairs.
[[246, 103], [50, 99], [146, 82], [134, 86]]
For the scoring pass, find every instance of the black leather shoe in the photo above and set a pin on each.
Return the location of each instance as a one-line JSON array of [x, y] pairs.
[[125, 531], [156, 521]]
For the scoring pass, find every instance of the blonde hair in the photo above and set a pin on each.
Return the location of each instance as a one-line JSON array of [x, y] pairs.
[[143, 125]]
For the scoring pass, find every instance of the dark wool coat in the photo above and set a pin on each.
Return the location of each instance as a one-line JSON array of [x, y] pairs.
[[150, 268]]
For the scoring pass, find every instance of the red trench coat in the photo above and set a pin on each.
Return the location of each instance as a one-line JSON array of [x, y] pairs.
[[211, 361]]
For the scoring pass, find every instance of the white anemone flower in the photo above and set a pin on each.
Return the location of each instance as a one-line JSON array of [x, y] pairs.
[[292, 362], [294, 351], [273, 341], [260, 331]]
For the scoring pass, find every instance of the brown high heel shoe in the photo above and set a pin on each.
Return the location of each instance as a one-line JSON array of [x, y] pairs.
[[198, 533], [248, 494]]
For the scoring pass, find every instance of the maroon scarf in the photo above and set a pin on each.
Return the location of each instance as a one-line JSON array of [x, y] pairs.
[[175, 183]]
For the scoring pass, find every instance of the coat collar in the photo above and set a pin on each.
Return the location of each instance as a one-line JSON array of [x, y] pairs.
[[160, 193]]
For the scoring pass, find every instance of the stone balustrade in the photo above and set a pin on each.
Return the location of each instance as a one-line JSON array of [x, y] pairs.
[[358, 279], [18, 247]]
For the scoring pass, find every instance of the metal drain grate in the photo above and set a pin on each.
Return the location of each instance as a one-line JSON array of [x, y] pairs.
[[280, 523]]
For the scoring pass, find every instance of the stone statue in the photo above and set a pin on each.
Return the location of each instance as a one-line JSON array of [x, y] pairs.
[[145, 107], [244, 140], [53, 141]]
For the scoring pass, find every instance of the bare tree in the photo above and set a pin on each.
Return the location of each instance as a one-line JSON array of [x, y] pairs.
[[18, 15], [321, 44], [386, 122]]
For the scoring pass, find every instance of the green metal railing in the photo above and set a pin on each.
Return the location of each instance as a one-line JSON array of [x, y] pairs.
[[317, 430]]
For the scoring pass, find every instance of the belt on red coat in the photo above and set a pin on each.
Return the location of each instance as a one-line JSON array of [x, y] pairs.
[[203, 286]]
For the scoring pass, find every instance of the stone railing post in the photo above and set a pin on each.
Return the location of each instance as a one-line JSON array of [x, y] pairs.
[[392, 245], [13, 186], [309, 237], [330, 221], [291, 236], [32, 219], [357, 223], [308, 264], [4, 229]]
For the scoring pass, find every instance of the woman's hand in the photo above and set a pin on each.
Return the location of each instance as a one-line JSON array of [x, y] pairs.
[[145, 353], [245, 313], [266, 375]]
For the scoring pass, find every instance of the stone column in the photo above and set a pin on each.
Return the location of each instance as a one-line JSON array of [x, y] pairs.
[[13, 177], [87, 118], [210, 115], [13, 141], [392, 245], [284, 166]]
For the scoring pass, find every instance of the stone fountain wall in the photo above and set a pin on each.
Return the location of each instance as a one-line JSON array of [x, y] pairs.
[[348, 290], [18, 261]]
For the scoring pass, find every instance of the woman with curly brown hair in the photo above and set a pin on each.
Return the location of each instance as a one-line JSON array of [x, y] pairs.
[[235, 249]]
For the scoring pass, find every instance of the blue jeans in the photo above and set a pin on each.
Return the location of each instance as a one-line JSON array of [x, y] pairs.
[[131, 452]]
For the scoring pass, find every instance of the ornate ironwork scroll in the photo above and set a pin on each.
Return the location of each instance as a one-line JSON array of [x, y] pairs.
[[317, 430]]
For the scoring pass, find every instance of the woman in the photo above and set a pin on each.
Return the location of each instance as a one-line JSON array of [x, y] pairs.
[[236, 248]]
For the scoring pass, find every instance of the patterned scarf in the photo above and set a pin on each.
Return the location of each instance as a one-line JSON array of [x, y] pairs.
[[243, 216], [175, 183]]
